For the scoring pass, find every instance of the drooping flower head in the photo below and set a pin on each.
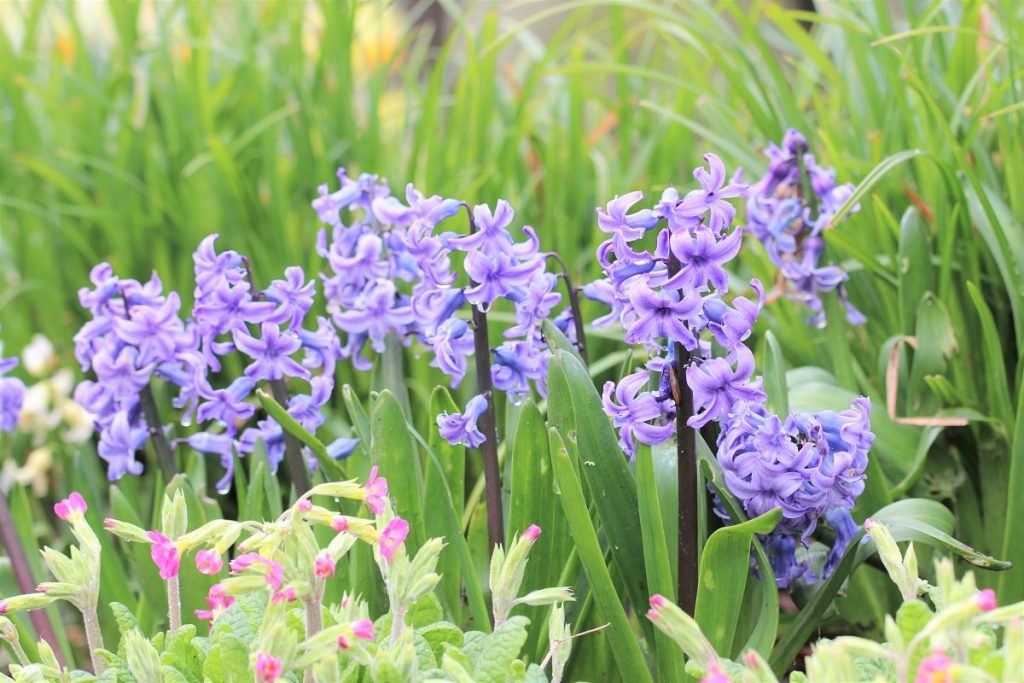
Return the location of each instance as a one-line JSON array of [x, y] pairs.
[[460, 428]]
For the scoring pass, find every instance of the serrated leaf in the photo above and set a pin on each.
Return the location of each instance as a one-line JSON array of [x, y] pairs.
[[425, 657], [440, 634], [124, 618], [181, 653], [227, 661], [499, 648]]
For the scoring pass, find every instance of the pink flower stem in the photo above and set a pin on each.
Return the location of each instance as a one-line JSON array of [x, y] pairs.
[[173, 603], [686, 473], [94, 638]]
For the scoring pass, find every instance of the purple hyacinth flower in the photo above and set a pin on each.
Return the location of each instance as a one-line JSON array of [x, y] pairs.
[[228, 307], [12, 395], [515, 364], [492, 235], [118, 444], [212, 269], [534, 304], [625, 227], [378, 312], [294, 297], [460, 428], [701, 259], [496, 275], [121, 375], [271, 353], [341, 448], [227, 405], [222, 445], [154, 331], [660, 315], [731, 325], [632, 409], [604, 291], [451, 344], [717, 386], [712, 195]]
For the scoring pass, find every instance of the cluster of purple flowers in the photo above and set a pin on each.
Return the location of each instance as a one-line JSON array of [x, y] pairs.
[[673, 294], [137, 335], [787, 210], [811, 465], [391, 275], [12, 395]]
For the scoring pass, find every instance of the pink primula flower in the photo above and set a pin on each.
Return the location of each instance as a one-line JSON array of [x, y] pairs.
[[376, 492], [209, 562], [274, 573], [392, 537], [71, 508], [268, 667], [324, 566], [935, 668], [166, 555]]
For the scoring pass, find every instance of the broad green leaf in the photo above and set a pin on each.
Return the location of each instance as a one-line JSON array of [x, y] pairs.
[[656, 558], [724, 568], [393, 450], [623, 642], [997, 388], [766, 622], [914, 267], [356, 413], [1011, 583], [557, 340], [444, 486], [227, 661], [611, 483]]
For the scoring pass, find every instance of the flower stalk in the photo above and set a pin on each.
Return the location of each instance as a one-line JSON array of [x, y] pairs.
[[173, 603], [574, 306], [94, 637], [164, 453], [489, 448], [686, 474], [297, 466]]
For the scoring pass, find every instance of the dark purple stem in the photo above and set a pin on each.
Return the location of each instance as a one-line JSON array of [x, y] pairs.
[[686, 472], [489, 448], [574, 306], [164, 451], [23, 575]]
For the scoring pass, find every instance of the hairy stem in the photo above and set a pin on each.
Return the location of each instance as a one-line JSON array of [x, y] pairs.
[[19, 652], [688, 550], [314, 620], [11, 543], [574, 306], [94, 638], [489, 448], [164, 452], [174, 603], [297, 465]]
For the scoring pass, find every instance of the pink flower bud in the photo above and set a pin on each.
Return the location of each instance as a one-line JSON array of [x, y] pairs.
[[268, 667], [934, 668], [3, 607], [286, 595], [339, 524], [363, 629], [71, 508], [392, 537], [986, 600], [343, 643], [376, 492], [109, 522], [165, 555], [658, 601], [209, 562], [531, 533], [217, 597], [715, 674], [870, 524], [324, 566], [305, 505]]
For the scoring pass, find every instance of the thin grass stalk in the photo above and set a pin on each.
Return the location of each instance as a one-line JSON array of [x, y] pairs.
[[688, 550], [23, 576], [487, 423]]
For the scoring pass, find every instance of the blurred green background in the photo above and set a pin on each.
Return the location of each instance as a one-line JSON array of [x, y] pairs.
[[132, 129]]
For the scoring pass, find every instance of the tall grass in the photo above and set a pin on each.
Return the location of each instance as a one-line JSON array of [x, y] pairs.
[[224, 117]]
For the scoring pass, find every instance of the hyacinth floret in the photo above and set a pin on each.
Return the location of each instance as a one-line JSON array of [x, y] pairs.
[[788, 210], [12, 395]]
